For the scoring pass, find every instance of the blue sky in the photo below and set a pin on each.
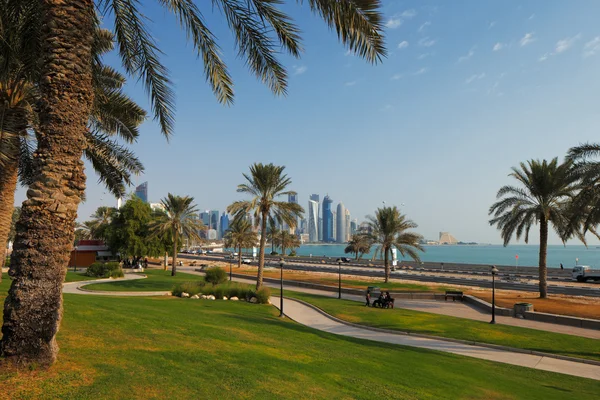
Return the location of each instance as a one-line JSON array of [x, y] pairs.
[[469, 89]]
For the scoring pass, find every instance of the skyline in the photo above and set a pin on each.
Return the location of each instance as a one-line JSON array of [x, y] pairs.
[[467, 92]]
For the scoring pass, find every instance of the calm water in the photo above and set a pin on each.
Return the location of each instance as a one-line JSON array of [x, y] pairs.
[[492, 254]]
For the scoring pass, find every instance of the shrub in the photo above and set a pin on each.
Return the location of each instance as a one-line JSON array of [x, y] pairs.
[[219, 291], [262, 295], [188, 287], [215, 275], [105, 270], [293, 253]]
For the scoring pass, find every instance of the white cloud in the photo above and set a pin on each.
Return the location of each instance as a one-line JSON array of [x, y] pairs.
[[492, 24], [475, 77], [544, 57], [409, 13], [403, 44], [351, 83], [532, 16], [299, 70], [424, 55], [426, 42], [421, 71], [591, 47], [498, 46], [566, 43], [528, 38], [397, 76], [424, 26], [466, 57], [393, 23]]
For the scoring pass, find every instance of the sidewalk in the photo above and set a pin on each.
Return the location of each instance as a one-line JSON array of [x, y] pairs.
[[310, 317], [76, 287]]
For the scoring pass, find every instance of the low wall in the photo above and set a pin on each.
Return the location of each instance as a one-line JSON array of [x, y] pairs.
[[485, 306], [563, 320]]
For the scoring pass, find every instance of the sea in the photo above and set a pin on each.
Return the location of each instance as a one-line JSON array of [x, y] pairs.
[[521, 255]]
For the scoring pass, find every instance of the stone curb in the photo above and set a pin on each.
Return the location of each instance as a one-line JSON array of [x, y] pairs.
[[468, 342]]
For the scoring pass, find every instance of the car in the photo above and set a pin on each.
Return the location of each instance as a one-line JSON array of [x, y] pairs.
[[246, 260], [229, 256], [343, 259]]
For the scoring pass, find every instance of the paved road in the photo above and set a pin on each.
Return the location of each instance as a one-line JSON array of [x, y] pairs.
[[554, 287], [317, 320]]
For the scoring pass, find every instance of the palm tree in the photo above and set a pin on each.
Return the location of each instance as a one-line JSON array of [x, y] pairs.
[[544, 192], [179, 221], [64, 48], [358, 245], [240, 235], [287, 240], [102, 219], [265, 184], [272, 235], [388, 229]]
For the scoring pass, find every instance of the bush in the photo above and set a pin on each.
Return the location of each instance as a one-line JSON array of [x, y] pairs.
[[293, 253], [105, 270], [262, 295], [274, 253], [215, 275], [188, 287]]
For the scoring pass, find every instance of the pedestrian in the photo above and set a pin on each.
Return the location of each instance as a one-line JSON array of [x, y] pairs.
[[561, 266], [368, 297]]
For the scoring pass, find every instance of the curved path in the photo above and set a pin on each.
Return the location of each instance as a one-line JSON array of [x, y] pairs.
[[318, 319], [77, 287]]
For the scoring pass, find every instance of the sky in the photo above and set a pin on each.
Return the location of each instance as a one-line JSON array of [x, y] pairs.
[[469, 89]]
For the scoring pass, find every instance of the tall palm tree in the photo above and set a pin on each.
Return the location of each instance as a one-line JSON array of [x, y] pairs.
[[240, 235], [287, 240], [389, 229], [46, 226], [542, 196], [179, 221], [358, 245], [265, 183], [273, 234]]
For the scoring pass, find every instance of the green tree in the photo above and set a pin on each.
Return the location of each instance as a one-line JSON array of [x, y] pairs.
[[178, 221], [47, 222], [286, 240], [265, 183], [240, 235], [273, 235], [358, 245], [543, 195], [389, 229]]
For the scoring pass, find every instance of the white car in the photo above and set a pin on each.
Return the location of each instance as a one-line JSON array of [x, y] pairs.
[[246, 260]]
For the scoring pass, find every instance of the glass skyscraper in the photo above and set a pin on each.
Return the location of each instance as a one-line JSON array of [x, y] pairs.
[[327, 220], [142, 192]]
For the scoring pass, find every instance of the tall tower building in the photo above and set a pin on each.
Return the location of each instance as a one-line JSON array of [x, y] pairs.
[[315, 198], [293, 198], [313, 221], [340, 231], [214, 221], [142, 192], [327, 220], [348, 228], [223, 224], [334, 231], [320, 229]]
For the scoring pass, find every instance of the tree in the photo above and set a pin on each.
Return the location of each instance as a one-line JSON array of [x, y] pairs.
[[273, 235], [544, 192], [11, 235], [46, 227], [358, 245], [240, 235], [389, 229], [101, 219], [265, 183], [286, 240], [178, 221]]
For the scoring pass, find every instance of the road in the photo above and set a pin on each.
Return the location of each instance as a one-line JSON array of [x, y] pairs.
[[464, 278]]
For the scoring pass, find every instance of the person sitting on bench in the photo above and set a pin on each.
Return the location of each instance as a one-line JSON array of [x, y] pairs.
[[389, 301]]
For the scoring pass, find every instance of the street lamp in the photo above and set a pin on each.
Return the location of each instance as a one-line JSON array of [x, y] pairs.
[[577, 261], [281, 264], [494, 271], [442, 266], [230, 273], [339, 279]]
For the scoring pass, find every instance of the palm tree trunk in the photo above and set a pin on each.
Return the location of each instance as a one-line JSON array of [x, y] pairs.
[[8, 184], [261, 253], [543, 271], [240, 257], [46, 228], [387, 265], [166, 261], [174, 268]]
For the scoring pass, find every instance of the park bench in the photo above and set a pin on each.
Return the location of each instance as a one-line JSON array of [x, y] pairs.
[[454, 294]]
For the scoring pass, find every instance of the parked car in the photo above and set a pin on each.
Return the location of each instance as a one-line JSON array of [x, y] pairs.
[[246, 260], [343, 259]]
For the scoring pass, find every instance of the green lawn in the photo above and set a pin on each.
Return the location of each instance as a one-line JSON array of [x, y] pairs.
[[453, 327], [156, 348], [77, 276], [158, 280]]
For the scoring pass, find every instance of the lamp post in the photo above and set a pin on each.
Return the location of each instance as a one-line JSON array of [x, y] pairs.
[[230, 273], [494, 272], [281, 264], [339, 279], [442, 266], [577, 261]]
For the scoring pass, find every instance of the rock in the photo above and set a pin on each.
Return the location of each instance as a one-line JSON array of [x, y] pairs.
[[211, 297], [185, 295], [203, 296], [224, 297], [234, 298], [269, 301], [195, 297], [254, 300]]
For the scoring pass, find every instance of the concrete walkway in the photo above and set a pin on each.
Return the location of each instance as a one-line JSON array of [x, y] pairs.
[[76, 287], [310, 317]]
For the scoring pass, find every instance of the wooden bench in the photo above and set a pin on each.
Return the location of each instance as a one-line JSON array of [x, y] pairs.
[[453, 294]]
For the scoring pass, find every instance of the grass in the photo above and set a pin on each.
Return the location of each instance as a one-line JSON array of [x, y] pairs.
[[155, 348], [157, 280], [77, 277], [454, 327]]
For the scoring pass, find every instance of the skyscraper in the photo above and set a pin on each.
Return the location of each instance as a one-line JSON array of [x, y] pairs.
[[223, 224], [334, 225], [340, 224], [313, 221], [142, 192], [293, 198], [348, 225], [327, 220], [353, 227], [214, 221], [315, 198]]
